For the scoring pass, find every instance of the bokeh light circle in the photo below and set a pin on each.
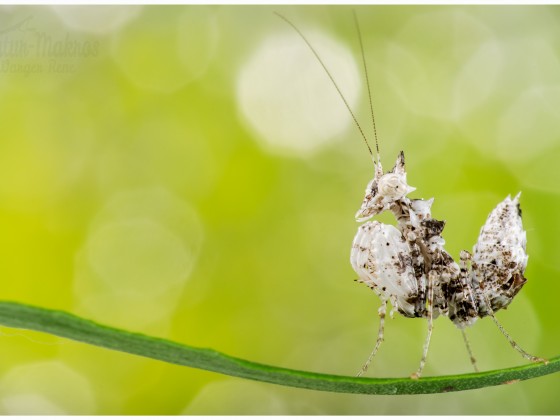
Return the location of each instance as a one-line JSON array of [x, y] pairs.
[[444, 63], [45, 388], [533, 115], [287, 98], [165, 53], [96, 19], [138, 255]]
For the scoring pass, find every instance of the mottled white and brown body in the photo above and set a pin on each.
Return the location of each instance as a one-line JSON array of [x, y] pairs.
[[407, 266]]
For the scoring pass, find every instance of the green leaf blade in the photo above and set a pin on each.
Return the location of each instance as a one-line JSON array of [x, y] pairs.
[[66, 325]]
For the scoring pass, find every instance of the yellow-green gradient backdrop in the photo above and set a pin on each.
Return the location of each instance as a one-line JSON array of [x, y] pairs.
[[189, 172]]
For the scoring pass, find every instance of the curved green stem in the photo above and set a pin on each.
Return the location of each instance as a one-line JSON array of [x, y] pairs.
[[66, 325]]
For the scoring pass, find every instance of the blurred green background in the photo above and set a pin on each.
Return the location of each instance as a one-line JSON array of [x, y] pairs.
[[189, 172]]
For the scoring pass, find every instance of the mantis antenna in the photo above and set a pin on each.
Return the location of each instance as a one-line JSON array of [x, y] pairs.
[[336, 85]]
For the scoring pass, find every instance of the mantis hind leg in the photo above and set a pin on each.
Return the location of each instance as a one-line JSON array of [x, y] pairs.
[[382, 311], [430, 313], [509, 339], [468, 346]]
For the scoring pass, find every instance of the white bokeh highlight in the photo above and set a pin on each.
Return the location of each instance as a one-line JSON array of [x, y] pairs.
[[45, 388], [136, 259], [529, 127], [236, 397], [96, 19], [127, 256], [286, 97], [447, 71], [165, 50], [518, 127]]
